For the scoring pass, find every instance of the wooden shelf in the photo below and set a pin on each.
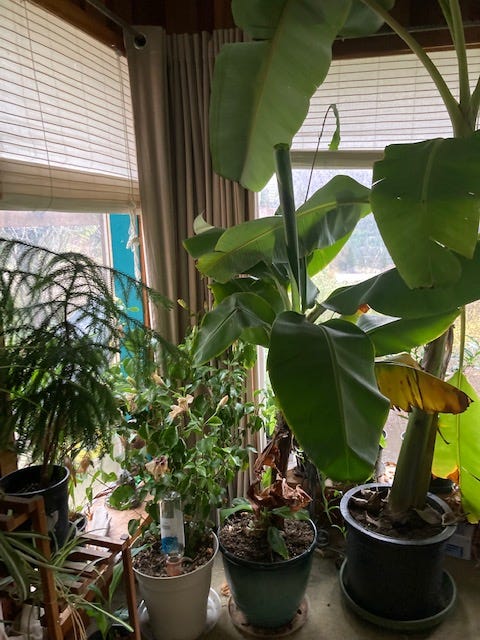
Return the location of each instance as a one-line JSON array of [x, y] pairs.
[[93, 560]]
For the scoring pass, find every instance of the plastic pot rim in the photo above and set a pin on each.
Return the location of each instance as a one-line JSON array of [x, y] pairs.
[[270, 566], [446, 532], [28, 470], [183, 575]]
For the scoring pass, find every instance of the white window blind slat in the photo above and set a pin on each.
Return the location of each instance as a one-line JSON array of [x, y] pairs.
[[37, 187], [382, 101], [66, 125]]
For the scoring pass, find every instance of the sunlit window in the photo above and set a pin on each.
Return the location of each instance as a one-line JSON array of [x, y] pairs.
[[86, 233], [363, 256]]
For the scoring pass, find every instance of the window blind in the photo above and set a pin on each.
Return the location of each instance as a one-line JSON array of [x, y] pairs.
[[381, 101], [66, 128]]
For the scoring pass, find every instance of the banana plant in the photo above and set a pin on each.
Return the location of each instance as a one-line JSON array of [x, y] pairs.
[[323, 371], [426, 203]]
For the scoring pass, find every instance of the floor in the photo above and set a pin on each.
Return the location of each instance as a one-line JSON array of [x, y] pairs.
[[329, 618]]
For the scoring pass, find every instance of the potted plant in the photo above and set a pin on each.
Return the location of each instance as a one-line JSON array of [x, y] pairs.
[[110, 625], [324, 373], [267, 544], [25, 562], [183, 426], [19, 561], [61, 326]]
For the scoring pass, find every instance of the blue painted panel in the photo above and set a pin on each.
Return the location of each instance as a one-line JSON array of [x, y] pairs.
[[124, 259]]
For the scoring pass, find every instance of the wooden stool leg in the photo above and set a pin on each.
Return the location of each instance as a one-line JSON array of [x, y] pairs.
[[50, 603], [130, 591]]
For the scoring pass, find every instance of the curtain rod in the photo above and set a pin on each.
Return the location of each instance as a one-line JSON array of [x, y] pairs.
[[139, 38]]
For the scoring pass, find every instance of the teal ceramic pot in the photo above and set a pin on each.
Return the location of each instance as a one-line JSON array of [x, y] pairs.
[[268, 594]]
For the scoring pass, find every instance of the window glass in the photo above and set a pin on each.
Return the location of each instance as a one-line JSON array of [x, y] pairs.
[[85, 233], [102, 237], [363, 256]]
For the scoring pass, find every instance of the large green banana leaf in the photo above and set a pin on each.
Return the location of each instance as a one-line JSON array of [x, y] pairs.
[[227, 322], [319, 259], [330, 214], [457, 449], [323, 377], [394, 335], [344, 201], [387, 293], [261, 287], [241, 247], [202, 243], [259, 97], [426, 201], [362, 21], [261, 89]]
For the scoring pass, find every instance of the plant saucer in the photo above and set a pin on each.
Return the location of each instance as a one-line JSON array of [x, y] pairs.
[[449, 593], [241, 623]]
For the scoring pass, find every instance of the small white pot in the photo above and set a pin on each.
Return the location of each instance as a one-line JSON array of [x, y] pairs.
[[177, 606]]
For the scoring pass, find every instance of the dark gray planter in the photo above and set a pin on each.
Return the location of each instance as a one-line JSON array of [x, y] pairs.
[[268, 594], [396, 580], [55, 496]]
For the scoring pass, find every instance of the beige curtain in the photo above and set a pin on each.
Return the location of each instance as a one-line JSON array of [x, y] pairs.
[[170, 80]]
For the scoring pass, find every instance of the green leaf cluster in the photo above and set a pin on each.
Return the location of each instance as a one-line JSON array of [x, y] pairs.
[[22, 559], [184, 426], [60, 328], [322, 373]]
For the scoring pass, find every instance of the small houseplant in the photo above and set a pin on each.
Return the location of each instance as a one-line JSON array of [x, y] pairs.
[[61, 326], [25, 562], [267, 544], [183, 426], [110, 625], [326, 371]]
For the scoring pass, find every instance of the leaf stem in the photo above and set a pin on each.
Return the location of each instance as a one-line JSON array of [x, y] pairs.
[[287, 203], [463, 326], [451, 104], [467, 124]]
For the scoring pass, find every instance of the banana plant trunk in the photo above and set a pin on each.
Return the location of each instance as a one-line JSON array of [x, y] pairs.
[[413, 472]]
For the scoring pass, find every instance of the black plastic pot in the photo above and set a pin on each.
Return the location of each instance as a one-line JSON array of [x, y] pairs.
[[392, 578], [55, 496], [268, 594]]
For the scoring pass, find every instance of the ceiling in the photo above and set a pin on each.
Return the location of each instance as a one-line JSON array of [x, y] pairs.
[[189, 16]]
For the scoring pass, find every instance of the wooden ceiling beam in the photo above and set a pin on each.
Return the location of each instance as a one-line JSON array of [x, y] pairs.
[[82, 15], [433, 39], [187, 16]]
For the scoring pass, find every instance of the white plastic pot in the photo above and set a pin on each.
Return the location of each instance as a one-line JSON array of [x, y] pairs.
[[177, 606]]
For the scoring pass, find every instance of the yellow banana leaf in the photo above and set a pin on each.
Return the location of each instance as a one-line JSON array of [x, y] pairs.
[[407, 386]]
